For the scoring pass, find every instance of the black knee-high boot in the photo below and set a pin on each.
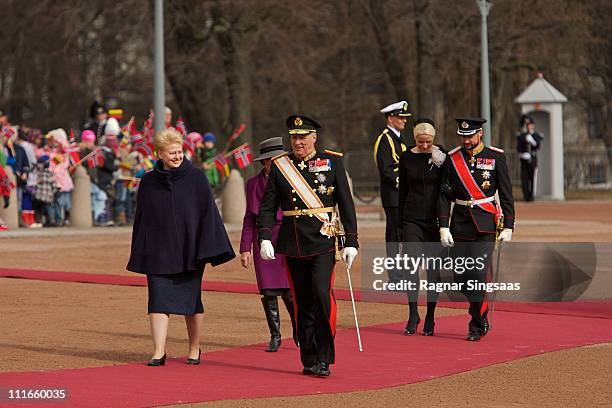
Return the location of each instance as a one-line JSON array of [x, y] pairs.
[[288, 300], [270, 305]]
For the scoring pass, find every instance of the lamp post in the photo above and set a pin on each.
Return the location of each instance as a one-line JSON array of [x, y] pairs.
[[159, 100], [485, 93]]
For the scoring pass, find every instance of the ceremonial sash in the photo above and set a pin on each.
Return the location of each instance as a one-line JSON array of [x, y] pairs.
[[470, 184], [301, 187]]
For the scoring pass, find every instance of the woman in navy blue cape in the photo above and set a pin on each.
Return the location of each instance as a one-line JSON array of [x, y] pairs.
[[177, 231]]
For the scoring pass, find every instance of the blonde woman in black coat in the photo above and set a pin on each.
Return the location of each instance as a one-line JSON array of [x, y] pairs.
[[420, 170]]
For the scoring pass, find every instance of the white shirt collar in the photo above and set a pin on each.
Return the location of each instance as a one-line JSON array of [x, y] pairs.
[[397, 133]]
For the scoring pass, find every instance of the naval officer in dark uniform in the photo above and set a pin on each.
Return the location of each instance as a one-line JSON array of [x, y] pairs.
[[308, 185], [473, 173], [388, 148]]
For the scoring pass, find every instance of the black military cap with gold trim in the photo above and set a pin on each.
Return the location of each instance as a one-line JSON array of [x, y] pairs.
[[301, 125], [469, 126]]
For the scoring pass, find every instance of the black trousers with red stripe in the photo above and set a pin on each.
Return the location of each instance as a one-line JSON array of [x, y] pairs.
[[482, 246], [312, 281]]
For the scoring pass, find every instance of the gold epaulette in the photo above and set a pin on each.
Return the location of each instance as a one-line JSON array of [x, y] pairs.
[[338, 154], [280, 155], [496, 149]]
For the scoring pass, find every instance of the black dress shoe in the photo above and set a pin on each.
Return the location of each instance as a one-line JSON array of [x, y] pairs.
[[428, 327], [156, 362], [473, 337], [274, 344], [195, 361], [310, 370], [412, 326], [322, 370], [486, 326]]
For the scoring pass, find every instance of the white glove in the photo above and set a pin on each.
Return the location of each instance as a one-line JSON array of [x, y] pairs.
[[446, 238], [437, 156], [348, 255], [505, 235], [531, 140], [267, 250]]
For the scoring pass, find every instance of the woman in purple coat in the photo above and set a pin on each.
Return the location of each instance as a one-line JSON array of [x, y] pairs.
[[271, 275]]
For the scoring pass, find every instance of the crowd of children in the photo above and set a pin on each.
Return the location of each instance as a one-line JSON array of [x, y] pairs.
[[113, 156]]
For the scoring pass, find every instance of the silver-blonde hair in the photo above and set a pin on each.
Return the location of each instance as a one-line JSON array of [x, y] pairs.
[[167, 137]]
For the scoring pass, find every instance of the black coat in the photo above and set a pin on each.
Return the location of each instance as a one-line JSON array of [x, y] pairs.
[[523, 146], [387, 150], [300, 236], [468, 222], [177, 226], [419, 187]]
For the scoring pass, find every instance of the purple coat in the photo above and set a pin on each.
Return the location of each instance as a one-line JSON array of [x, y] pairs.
[[270, 274]]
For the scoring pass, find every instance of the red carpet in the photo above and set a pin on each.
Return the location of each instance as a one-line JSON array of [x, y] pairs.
[[249, 372], [601, 309]]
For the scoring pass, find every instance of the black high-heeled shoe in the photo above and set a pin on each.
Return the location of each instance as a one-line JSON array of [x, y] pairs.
[[412, 326], [428, 327], [194, 361], [156, 362]]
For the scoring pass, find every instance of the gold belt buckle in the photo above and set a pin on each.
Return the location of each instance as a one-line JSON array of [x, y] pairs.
[[470, 203], [303, 211]]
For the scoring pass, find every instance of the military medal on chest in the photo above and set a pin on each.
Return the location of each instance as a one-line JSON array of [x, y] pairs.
[[486, 185], [302, 166], [485, 163], [472, 161], [486, 174], [319, 165]]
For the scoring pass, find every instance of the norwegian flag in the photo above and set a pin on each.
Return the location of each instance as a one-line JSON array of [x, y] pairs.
[[222, 165], [189, 148], [147, 129], [127, 128], [95, 159], [144, 148], [180, 126], [7, 131], [243, 156], [74, 152]]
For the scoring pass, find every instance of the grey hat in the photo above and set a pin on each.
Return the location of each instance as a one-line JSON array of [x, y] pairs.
[[270, 148]]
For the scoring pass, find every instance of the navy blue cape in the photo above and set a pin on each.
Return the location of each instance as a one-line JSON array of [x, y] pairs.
[[177, 226]]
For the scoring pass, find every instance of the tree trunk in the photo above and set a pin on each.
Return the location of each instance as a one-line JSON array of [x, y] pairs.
[[395, 70], [425, 104], [237, 76]]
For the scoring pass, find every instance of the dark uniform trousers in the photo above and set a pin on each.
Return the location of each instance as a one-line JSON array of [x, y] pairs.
[[312, 281], [481, 246], [528, 168]]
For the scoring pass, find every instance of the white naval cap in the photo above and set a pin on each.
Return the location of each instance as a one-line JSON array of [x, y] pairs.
[[396, 109]]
